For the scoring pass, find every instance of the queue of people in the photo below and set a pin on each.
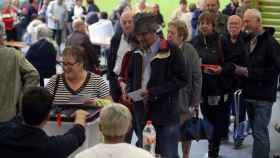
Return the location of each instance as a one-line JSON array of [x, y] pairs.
[[206, 56]]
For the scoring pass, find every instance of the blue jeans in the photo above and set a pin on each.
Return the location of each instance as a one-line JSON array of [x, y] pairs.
[[167, 140], [259, 113]]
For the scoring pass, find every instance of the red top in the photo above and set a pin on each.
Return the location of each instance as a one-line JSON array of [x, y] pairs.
[[9, 18]]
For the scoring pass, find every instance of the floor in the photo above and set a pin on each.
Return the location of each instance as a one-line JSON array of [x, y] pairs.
[[199, 149]]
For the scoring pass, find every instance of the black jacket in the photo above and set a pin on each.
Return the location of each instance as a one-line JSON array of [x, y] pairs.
[[168, 76], [263, 65], [18, 140], [210, 51], [228, 10], [93, 8], [111, 61], [234, 54]]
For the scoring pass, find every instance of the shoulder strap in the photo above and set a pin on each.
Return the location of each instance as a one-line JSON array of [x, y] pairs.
[[56, 85]]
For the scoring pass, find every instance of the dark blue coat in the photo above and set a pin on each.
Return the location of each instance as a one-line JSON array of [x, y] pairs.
[[42, 55], [19, 140]]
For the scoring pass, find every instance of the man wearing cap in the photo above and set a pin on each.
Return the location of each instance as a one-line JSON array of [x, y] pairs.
[[156, 70], [17, 74]]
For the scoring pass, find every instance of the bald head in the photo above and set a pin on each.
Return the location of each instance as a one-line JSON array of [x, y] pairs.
[[234, 25], [126, 20], [234, 18], [79, 25]]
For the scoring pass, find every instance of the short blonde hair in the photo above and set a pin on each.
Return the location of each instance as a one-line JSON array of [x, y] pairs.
[[115, 120]]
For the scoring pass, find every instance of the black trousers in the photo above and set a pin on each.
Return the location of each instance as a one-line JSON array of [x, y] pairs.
[[217, 115], [57, 36], [11, 35]]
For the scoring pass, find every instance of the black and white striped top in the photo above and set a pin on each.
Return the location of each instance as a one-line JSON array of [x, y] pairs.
[[94, 85]]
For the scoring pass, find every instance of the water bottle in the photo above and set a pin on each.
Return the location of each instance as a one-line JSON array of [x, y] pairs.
[[149, 137]]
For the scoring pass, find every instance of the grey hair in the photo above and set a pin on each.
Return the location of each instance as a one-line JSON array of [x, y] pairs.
[[42, 31], [256, 13], [115, 120]]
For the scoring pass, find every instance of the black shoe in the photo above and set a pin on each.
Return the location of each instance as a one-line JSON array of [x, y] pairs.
[[213, 151], [238, 143], [225, 140]]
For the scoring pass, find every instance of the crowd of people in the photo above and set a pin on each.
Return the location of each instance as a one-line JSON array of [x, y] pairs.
[[205, 57]]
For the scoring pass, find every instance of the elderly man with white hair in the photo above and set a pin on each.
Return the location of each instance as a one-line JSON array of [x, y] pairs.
[[260, 79], [115, 122], [233, 46], [42, 54], [120, 45]]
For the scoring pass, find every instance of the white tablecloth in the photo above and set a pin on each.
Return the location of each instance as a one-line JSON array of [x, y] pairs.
[[93, 135]]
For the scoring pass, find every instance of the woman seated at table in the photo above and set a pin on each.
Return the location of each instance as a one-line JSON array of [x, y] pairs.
[[76, 81]]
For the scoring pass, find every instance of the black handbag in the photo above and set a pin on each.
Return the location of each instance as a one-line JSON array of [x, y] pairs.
[[197, 128]]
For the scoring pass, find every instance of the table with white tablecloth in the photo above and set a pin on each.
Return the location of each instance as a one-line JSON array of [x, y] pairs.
[[93, 135]]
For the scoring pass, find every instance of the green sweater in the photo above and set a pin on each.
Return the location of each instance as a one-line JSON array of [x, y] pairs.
[[16, 75]]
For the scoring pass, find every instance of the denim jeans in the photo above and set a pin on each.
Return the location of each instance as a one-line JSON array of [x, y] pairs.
[[259, 113], [167, 140]]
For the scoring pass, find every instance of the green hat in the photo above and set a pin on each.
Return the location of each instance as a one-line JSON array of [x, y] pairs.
[[144, 23]]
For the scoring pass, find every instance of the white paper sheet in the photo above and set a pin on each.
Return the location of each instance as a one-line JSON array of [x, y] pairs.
[[136, 95]]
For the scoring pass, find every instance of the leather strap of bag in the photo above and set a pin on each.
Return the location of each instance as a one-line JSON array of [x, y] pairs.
[[56, 85]]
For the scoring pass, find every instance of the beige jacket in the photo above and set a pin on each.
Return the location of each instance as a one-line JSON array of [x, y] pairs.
[[16, 75]]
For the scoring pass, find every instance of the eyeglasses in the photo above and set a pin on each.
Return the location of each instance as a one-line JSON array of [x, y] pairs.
[[68, 63]]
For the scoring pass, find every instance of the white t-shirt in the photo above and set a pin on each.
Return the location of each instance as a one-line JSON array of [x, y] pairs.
[[123, 49], [120, 150], [187, 18], [101, 32]]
